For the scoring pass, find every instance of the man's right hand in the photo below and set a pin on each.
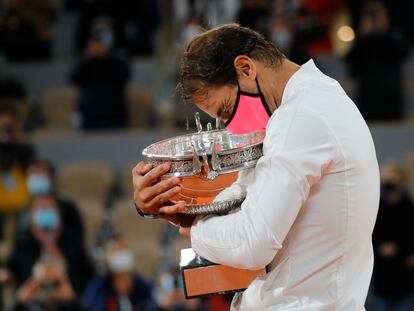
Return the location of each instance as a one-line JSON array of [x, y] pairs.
[[151, 194]]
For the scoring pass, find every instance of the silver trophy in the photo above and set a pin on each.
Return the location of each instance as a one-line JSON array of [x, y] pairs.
[[209, 163]]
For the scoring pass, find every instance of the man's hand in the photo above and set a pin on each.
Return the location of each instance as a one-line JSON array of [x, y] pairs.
[[185, 231], [152, 195]]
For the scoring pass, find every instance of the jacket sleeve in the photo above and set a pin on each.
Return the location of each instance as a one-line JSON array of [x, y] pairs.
[[298, 149]]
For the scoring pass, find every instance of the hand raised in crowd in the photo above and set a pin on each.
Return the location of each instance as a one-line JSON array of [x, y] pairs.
[[28, 291], [50, 275]]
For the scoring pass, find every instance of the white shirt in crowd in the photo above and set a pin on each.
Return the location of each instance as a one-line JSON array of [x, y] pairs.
[[311, 205]]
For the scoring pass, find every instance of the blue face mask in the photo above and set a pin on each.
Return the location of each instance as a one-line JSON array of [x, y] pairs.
[[46, 218], [39, 184]]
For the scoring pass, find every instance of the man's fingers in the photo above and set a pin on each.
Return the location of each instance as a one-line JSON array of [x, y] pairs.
[[141, 168], [180, 220], [150, 192], [164, 197], [155, 174], [172, 209], [138, 173]]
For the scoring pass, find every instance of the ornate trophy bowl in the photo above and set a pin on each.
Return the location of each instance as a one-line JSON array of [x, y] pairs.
[[207, 162]]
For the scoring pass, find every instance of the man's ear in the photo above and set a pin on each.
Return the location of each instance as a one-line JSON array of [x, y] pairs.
[[245, 67]]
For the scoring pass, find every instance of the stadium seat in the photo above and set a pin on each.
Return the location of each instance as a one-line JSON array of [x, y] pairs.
[[58, 107], [125, 180], [86, 180], [91, 212], [131, 226], [140, 107]]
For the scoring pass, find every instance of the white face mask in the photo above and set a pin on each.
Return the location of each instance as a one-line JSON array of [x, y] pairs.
[[121, 261], [39, 184]]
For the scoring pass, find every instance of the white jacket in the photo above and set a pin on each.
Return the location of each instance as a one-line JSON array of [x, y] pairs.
[[311, 205]]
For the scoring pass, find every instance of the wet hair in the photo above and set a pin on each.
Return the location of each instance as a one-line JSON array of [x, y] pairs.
[[208, 59]]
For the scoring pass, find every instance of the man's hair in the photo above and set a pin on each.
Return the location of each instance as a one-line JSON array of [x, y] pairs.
[[208, 59]]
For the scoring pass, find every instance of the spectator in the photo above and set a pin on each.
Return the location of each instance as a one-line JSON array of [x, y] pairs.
[[393, 281], [48, 289], [315, 18], [41, 180], [170, 293], [101, 76], [287, 34], [14, 158], [192, 27], [135, 22], [255, 15], [48, 240], [27, 29], [122, 288], [375, 61]]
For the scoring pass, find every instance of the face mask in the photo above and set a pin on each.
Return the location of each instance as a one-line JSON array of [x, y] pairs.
[[106, 38], [38, 184], [250, 113], [46, 218], [121, 261]]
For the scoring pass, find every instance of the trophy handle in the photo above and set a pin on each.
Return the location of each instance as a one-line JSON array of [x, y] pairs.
[[198, 122]]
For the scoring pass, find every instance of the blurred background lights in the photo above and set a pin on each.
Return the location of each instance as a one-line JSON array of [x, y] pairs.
[[346, 33]]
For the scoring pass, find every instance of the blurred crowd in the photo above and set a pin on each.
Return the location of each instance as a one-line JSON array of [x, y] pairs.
[[54, 254], [46, 260], [372, 38]]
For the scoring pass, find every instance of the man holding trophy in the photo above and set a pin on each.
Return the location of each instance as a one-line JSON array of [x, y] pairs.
[[312, 198]]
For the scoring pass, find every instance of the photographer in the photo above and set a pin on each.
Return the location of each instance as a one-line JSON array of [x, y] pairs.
[[49, 240], [47, 289]]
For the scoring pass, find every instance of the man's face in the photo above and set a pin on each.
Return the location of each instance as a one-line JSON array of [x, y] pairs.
[[218, 102]]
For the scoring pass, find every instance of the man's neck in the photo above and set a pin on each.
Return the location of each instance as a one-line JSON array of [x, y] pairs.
[[273, 82]]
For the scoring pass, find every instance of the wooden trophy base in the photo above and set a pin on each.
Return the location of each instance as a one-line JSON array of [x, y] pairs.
[[202, 277]]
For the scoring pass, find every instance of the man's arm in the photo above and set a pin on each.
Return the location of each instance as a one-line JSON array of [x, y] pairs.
[[299, 147]]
